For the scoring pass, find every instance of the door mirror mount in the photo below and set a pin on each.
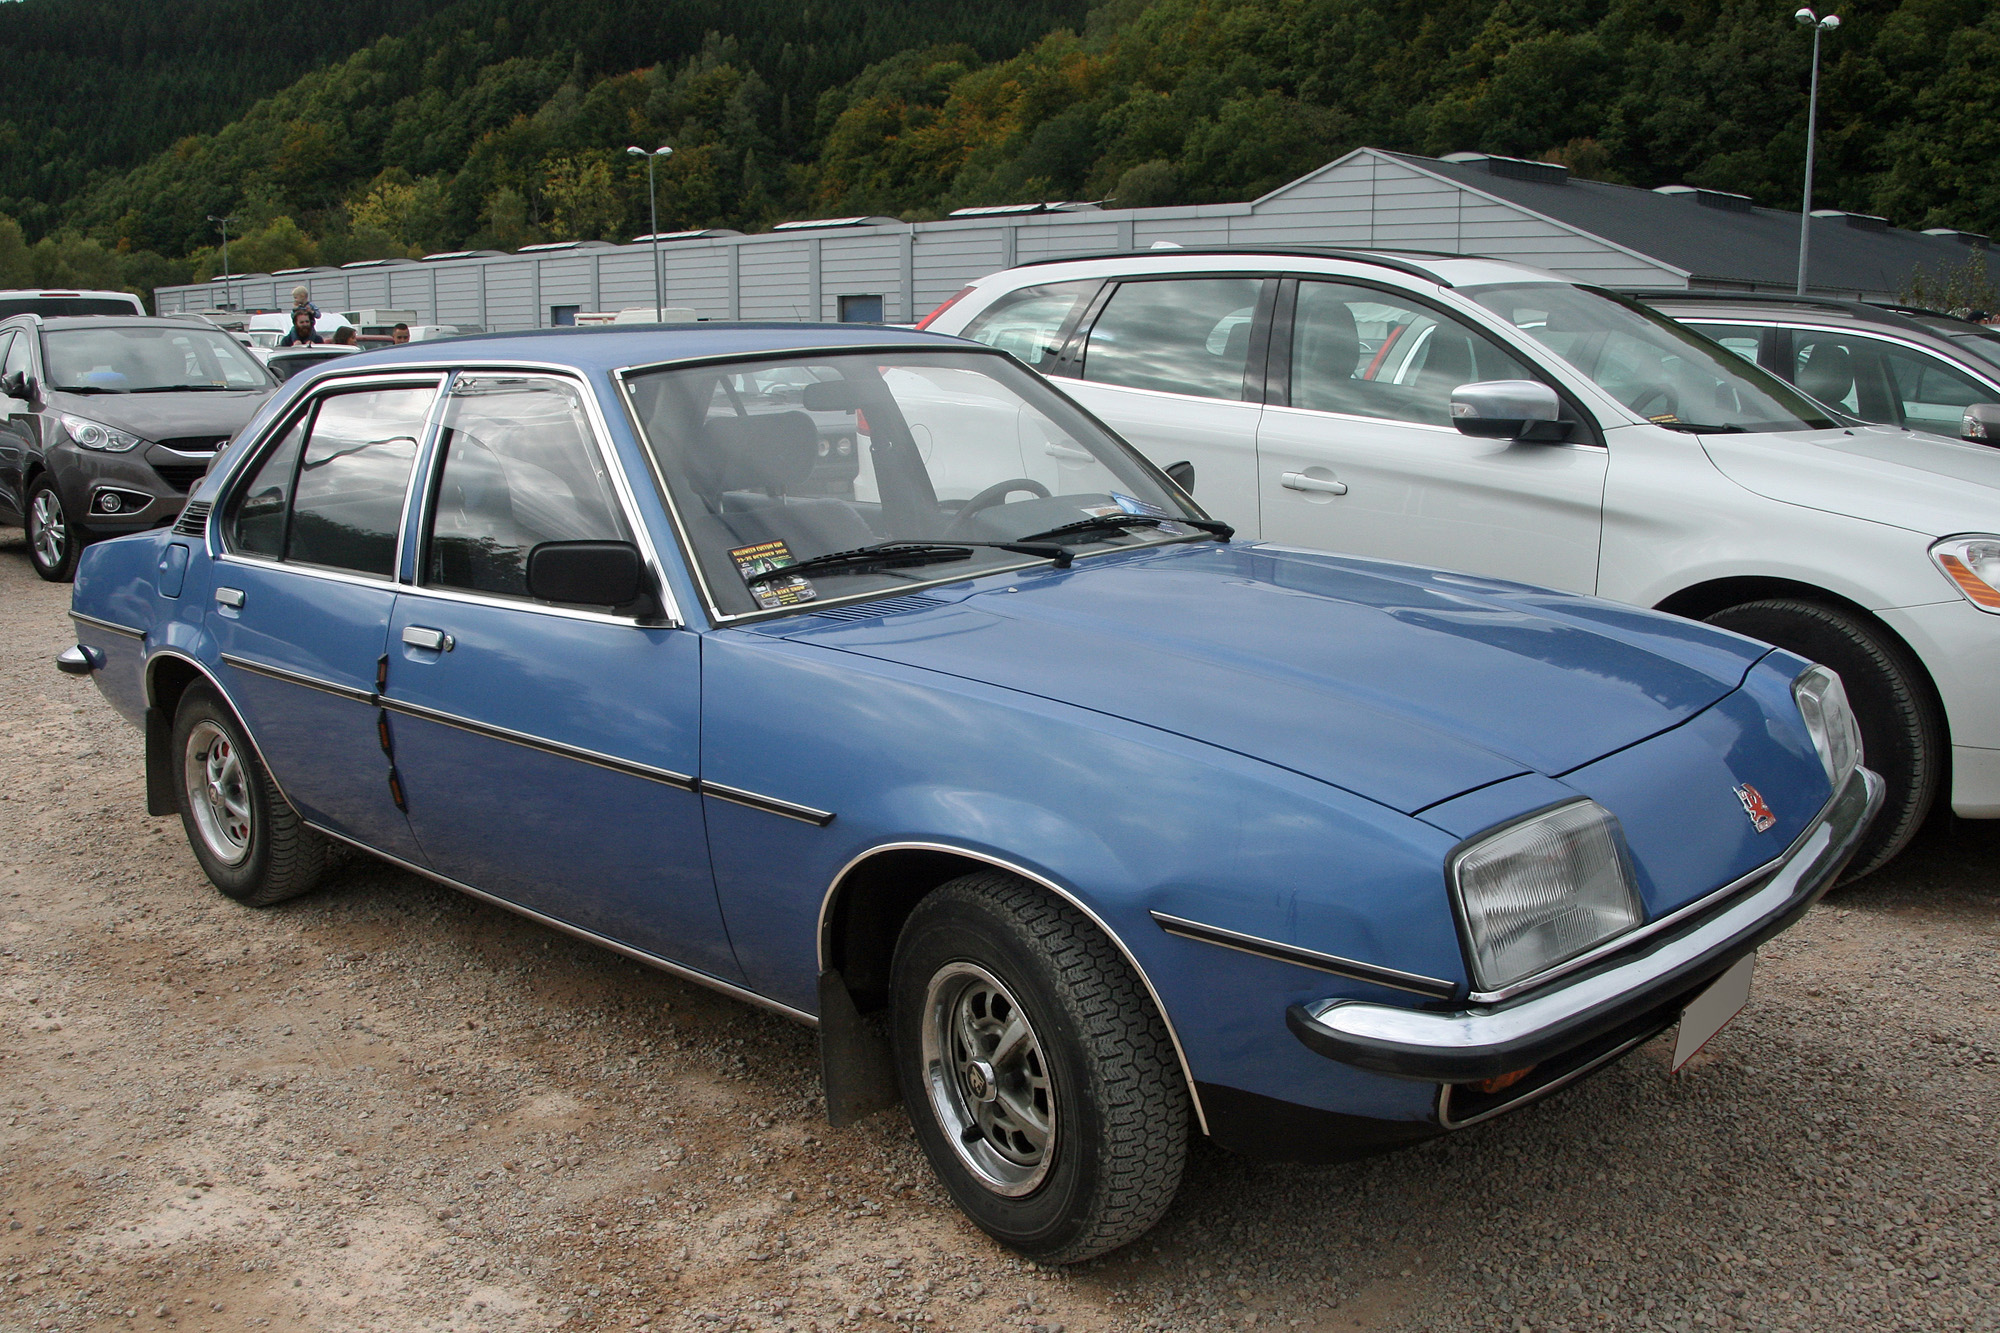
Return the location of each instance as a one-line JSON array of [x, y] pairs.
[[1525, 410], [587, 573], [1981, 424]]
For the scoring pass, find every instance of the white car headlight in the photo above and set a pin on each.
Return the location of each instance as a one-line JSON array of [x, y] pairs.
[[1542, 891], [1973, 565], [96, 435], [1829, 721]]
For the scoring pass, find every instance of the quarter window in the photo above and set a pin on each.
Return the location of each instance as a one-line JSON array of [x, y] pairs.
[[257, 526], [1364, 352], [19, 355], [1185, 335], [1030, 322], [519, 469]]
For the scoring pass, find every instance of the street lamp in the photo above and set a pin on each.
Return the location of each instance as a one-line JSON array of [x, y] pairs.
[[224, 224], [1807, 19], [653, 208]]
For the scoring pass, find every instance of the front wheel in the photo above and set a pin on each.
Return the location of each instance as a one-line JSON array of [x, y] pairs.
[[1041, 1080], [53, 541], [1903, 735], [250, 842]]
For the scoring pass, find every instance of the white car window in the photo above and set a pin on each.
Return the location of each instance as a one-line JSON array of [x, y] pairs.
[[1181, 335], [1357, 351], [1029, 323], [1934, 394]]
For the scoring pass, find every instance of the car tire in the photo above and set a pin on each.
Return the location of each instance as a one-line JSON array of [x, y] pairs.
[[1070, 1141], [1903, 734], [251, 843], [53, 541]]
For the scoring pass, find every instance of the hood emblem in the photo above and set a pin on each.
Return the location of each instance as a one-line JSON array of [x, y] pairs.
[[1756, 807]]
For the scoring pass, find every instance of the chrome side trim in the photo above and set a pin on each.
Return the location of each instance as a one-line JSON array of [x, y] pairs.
[[1553, 1085], [546, 746], [301, 679], [1159, 1006], [729, 988], [1395, 978], [770, 804], [109, 626]]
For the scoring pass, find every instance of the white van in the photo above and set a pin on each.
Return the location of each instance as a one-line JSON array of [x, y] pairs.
[[50, 303]]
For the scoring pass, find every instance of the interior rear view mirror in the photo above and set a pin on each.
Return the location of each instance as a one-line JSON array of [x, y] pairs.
[[1182, 474], [586, 573], [1509, 410], [1982, 424], [830, 396]]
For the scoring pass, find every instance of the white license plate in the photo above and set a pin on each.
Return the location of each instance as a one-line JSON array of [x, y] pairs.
[[1711, 1010]]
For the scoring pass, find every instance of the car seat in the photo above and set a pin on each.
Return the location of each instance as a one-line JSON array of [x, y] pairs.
[[1828, 373], [744, 467]]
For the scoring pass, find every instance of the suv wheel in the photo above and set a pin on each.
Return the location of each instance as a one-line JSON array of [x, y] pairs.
[[1903, 736], [53, 541]]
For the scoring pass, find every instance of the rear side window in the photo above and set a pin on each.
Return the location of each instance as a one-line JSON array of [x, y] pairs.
[[257, 525], [1181, 335], [1030, 323], [519, 469], [1368, 353]]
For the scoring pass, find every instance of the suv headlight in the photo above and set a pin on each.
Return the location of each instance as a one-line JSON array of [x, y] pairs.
[[1973, 565], [1542, 891], [96, 435], [1822, 701]]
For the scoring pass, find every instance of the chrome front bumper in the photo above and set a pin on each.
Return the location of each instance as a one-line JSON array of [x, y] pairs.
[[1488, 1041]]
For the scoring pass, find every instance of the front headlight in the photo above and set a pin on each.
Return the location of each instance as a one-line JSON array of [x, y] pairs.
[[96, 435], [1973, 566], [1822, 701], [1542, 891]]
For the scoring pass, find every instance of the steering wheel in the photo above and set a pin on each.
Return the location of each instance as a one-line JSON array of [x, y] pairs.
[[1657, 401], [993, 495]]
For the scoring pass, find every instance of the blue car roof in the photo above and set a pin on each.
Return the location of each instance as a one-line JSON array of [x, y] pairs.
[[607, 349]]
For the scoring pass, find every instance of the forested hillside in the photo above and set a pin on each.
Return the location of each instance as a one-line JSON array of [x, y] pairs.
[[500, 122]]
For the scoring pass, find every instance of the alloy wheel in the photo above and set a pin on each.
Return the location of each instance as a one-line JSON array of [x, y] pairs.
[[48, 529], [218, 793]]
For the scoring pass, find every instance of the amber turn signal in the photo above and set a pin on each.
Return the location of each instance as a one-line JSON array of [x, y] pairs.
[[1503, 1082]]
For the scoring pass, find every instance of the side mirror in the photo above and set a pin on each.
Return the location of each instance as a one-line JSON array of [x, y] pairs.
[[830, 396], [1982, 424], [586, 573], [1509, 410], [18, 385], [1182, 475]]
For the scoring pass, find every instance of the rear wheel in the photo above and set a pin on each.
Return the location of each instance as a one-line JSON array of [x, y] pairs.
[[1041, 1081], [53, 541], [1902, 728], [250, 842]]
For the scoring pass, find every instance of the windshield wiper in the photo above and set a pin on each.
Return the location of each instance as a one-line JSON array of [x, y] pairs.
[[1700, 428], [187, 388], [893, 555], [1109, 523], [83, 388]]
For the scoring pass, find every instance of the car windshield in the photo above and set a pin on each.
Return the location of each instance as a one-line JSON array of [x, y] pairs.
[[1660, 369], [1983, 345], [140, 358], [788, 460]]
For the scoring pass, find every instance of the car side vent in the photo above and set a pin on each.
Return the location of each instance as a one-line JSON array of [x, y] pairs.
[[888, 606], [193, 521]]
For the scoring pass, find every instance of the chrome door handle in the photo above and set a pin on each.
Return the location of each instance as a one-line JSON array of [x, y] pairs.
[[1299, 481], [434, 639], [229, 597]]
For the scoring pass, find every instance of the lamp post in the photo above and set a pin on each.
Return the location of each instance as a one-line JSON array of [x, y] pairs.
[[1807, 19], [653, 209], [224, 224]]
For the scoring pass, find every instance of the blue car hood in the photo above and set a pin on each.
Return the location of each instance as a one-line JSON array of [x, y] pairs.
[[1403, 685]]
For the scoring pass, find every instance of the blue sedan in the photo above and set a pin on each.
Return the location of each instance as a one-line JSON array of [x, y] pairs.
[[862, 675]]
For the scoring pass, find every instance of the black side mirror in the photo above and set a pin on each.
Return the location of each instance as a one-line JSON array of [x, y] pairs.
[[1509, 410], [830, 396], [1182, 475], [586, 573], [18, 385], [1981, 425]]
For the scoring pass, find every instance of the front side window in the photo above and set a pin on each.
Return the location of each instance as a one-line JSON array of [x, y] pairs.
[[1030, 322], [518, 469], [1742, 339], [139, 358], [1365, 352], [1842, 371], [776, 463], [1180, 335], [1932, 393], [1659, 369], [330, 492]]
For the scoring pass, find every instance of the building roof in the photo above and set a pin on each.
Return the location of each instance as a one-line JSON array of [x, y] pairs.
[[1714, 236]]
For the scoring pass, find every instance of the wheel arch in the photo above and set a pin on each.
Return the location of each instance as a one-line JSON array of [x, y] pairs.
[[871, 897], [169, 675]]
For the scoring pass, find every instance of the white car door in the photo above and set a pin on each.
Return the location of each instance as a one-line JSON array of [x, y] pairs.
[[1356, 452]]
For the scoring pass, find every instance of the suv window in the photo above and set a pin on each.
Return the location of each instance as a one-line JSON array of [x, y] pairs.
[[1933, 393], [1183, 335], [1742, 339], [1367, 353], [20, 355], [519, 469], [331, 492], [1030, 323]]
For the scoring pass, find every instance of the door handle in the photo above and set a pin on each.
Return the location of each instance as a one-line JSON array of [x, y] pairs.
[[436, 640], [1299, 481], [1068, 454], [229, 597]]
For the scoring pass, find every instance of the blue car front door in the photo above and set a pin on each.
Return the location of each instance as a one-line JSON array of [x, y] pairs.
[[547, 752]]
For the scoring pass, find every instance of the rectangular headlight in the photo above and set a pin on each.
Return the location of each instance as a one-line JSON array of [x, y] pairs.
[[1822, 701], [1542, 891]]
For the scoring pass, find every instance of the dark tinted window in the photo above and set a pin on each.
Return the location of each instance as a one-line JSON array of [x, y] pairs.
[[1030, 323], [1372, 354], [257, 524], [1183, 335], [51, 307], [519, 470], [348, 502]]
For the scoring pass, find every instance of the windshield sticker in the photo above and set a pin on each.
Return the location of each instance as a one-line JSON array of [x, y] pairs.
[[1128, 505], [1102, 511], [771, 593]]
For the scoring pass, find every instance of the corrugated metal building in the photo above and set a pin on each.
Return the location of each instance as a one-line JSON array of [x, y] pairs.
[[882, 269]]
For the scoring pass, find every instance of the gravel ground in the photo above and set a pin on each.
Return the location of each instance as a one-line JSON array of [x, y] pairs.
[[389, 1107]]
